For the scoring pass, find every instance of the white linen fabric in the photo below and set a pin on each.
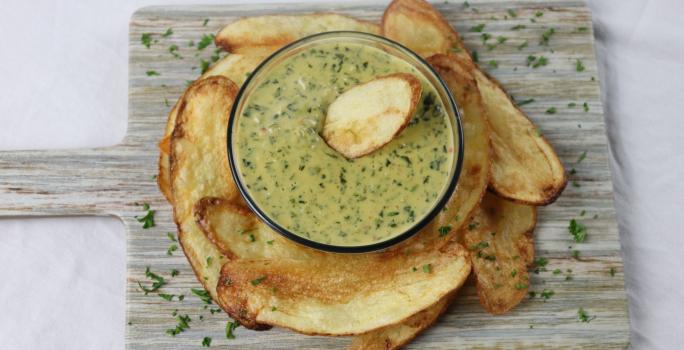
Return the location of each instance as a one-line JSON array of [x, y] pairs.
[[63, 66]]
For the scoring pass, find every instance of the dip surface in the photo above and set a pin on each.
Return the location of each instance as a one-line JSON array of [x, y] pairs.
[[311, 190]]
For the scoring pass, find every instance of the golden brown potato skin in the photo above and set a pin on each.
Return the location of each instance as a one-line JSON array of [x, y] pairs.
[[499, 238], [525, 168]]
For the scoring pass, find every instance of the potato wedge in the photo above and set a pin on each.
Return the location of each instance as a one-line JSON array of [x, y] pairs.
[[199, 168], [368, 116], [340, 294], [233, 67], [418, 26], [525, 168], [472, 183], [241, 236], [500, 240], [265, 34], [396, 336]]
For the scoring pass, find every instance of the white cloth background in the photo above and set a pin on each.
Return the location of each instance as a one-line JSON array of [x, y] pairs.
[[63, 74]]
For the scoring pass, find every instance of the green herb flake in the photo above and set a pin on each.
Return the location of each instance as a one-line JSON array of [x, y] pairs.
[[175, 272], [551, 110], [538, 14], [478, 246], [547, 294], [523, 45], [269, 242], [582, 316], [546, 36], [230, 327], [183, 324], [582, 157], [146, 39], [557, 271], [579, 66], [202, 294], [172, 248], [427, 268], [171, 236], [210, 259], [466, 4], [501, 39], [572, 105], [148, 219], [206, 342], [520, 286], [151, 73], [478, 28], [494, 64], [257, 281], [578, 231], [586, 107], [157, 281], [575, 254], [167, 33], [612, 272], [512, 13], [206, 40], [444, 230], [206, 20], [167, 297], [485, 37], [524, 102], [204, 65], [518, 27], [476, 57], [582, 29]]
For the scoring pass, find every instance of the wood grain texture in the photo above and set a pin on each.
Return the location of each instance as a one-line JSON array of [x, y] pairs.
[[111, 181]]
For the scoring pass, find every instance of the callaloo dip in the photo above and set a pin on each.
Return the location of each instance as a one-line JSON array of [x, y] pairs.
[[308, 188]]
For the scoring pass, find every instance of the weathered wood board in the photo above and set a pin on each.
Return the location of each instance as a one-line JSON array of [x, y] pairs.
[[112, 181]]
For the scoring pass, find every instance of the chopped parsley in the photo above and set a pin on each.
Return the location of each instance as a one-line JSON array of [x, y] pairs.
[[151, 73], [204, 65], [476, 57], [157, 281], [202, 294], [209, 260], [518, 27], [501, 39], [230, 327], [512, 13], [538, 14], [579, 66], [485, 37], [167, 297], [269, 242], [146, 39], [427, 268], [557, 271], [148, 219], [612, 272], [520, 286], [578, 231], [586, 107], [575, 254], [523, 45], [206, 342], [478, 28], [536, 62], [524, 102], [257, 281], [204, 24], [206, 40], [551, 110], [546, 294], [583, 316], [183, 324], [480, 245], [167, 33], [175, 272], [172, 238], [172, 248], [572, 105], [173, 49], [582, 29], [581, 157], [444, 230], [546, 36], [494, 64], [540, 264]]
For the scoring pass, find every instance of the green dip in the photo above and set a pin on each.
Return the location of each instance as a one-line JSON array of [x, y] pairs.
[[308, 188]]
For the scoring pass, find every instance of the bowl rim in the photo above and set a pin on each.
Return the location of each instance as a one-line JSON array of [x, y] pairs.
[[413, 229]]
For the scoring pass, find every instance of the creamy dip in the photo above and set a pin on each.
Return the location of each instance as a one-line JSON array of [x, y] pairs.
[[308, 188]]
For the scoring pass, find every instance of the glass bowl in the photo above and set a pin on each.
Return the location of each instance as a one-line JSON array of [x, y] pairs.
[[390, 47]]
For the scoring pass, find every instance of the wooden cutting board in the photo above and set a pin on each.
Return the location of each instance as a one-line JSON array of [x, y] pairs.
[[113, 181]]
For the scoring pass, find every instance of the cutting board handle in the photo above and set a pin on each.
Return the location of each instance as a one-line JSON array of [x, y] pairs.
[[100, 181]]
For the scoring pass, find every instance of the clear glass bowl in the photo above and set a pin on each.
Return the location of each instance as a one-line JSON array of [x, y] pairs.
[[390, 47]]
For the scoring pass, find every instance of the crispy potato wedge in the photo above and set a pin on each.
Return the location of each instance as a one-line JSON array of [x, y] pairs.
[[303, 276], [500, 240], [233, 67], [340, 294], [265, 34], [525, 167], [368, 116], [199, 168], [396, 336], [418, 26], [472, 183]]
